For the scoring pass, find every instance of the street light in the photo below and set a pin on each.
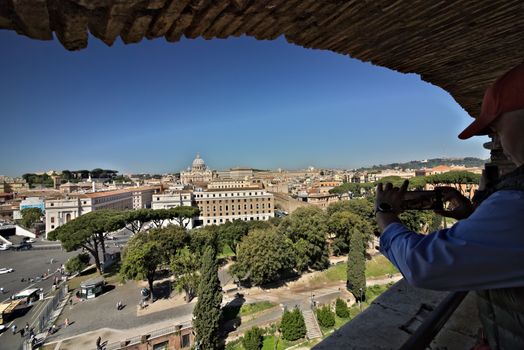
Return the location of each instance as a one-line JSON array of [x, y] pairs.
[[360, 299]]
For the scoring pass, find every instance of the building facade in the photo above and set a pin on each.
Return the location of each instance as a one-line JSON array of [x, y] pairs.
[[61, 211], [198, 173], [217, 206]]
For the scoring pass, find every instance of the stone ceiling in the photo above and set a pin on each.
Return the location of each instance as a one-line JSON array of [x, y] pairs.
[[461, 46]]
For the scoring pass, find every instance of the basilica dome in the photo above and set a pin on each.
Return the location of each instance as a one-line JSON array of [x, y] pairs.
[[198, 163]]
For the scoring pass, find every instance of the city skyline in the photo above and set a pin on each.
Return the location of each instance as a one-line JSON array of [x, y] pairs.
[[147, 108], [42, 171]]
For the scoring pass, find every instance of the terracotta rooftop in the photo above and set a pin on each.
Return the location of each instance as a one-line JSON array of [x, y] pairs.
[[461, 46]]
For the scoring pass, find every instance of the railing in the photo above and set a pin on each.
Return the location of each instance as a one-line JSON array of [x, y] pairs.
[[43, 320], [152, 335], [434, 322]]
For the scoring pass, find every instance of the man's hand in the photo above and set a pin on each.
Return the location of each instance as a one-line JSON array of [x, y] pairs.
[[392, 196], [460, 207]]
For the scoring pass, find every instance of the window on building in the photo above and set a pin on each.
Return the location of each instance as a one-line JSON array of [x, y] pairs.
[[161, 346], [52, 220], [186, 341], [227, 207], [52, 226], [269, 205]]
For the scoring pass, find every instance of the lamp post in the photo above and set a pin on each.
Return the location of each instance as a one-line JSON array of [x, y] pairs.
[[360, 299]]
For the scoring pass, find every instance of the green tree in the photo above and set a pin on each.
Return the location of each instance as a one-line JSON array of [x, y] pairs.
[[341, 224], [231, 233], [362, 207], [292, 325], [183, 214], [30, 216], [171, 238], [159, 216], [341, 308], [77, 263], [207, 309], [136, 219], [325, 317], [356, 278], [421, 220], [185, 267], [307, 229], [201, 238], [141, 259], [253, 339], [88, 231], [263, 256]]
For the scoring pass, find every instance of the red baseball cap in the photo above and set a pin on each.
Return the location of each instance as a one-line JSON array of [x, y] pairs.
[[505, 95]]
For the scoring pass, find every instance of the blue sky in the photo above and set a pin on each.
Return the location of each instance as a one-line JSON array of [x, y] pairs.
[[151, 106]]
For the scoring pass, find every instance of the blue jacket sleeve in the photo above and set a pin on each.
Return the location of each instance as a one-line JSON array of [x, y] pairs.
[[482, 252]]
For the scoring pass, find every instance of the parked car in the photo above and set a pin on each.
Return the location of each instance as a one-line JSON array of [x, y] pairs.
[[29, 240], [22, 246], [5, 270], [4, 247]]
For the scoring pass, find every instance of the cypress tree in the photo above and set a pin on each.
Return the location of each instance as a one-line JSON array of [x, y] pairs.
[[341, 308], [356, 276], [293, 326], [207, 310]]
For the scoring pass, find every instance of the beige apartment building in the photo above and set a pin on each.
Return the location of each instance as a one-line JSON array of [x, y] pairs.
[[222, 184], [61, 211], [218, 206]]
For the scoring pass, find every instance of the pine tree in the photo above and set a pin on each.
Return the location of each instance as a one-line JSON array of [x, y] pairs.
[[207, 310], [293, 326], [253, 339], [356, 278], [325, 317], [341, 308]]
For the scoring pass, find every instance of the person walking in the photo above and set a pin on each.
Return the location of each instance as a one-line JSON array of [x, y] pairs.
[[13, 328], [22, 332]]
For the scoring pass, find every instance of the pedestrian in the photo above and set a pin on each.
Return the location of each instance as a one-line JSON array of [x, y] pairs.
[[2, 290], [13, 328], [70, 302], [98, 341], [66, 322], [22, 332], [26, 327]]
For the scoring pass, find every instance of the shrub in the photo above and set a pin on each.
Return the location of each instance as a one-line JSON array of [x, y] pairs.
[[325, 317], [77, 263], [292, 325], [253, 339], [341, 308]]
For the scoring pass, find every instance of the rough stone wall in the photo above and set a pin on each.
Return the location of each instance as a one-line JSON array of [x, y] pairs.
[[461, 46]]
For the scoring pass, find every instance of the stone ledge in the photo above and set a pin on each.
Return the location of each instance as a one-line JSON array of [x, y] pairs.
[[388, 321]]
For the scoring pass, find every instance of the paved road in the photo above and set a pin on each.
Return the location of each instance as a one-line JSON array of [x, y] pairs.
[[29, 264]]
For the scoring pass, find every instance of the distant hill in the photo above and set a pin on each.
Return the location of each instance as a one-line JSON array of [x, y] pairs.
[[468, 162]]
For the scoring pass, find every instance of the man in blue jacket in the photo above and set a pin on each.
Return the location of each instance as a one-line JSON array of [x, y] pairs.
[[484, 250]]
